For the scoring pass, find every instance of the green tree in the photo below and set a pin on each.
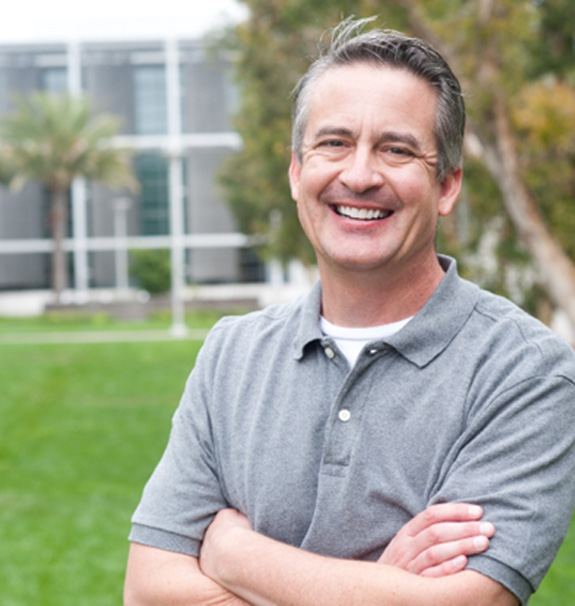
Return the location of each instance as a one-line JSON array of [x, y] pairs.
[[522, 120], [52, 140], [516, 62]]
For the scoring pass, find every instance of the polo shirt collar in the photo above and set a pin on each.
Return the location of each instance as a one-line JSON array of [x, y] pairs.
[[309, 324], [425, 336], [439, 321]]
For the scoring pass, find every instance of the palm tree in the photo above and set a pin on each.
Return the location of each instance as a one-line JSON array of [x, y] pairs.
[[52, 140]]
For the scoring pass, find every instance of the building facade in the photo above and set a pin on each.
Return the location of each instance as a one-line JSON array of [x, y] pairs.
[[175, 100]]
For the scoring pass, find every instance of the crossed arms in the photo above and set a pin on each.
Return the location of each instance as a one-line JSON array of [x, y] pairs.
[[424, 564]]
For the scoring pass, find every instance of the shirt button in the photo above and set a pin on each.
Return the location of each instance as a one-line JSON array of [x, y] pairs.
[[344, 415], [329, 352]]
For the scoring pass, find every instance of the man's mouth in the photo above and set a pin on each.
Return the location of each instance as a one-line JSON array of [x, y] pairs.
[[362, 214]]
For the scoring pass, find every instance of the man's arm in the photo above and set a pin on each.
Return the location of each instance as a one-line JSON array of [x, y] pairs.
[[156, 577], [434, 543], [266, 572]]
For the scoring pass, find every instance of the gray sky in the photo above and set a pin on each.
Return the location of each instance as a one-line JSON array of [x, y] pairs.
[[61, 20]]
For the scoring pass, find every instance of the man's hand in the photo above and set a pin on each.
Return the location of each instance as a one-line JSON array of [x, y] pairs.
[[437, 541]]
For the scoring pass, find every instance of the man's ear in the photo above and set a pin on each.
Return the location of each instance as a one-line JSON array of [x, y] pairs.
[[450, 189], [294, 173]]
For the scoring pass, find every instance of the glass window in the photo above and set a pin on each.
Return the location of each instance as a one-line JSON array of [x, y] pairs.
[[150, 108], [152, 173]]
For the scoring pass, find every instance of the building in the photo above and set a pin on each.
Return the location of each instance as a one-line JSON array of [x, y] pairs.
[[175, 100]]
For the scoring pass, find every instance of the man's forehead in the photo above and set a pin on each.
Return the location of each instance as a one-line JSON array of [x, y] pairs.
[[348, 72], [368, 79], [343, 96]]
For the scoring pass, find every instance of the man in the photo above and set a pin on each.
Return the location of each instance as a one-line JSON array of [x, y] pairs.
[[326, 452]]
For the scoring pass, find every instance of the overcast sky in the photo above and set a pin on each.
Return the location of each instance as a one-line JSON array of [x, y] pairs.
[[60, 20]]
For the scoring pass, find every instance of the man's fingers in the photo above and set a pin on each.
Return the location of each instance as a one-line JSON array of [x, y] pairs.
[[451, 531], [438, 541], [443, 557], [450, 567], [443, 512]]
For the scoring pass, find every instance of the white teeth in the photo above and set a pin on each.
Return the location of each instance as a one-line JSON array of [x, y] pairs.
[[363, 214]]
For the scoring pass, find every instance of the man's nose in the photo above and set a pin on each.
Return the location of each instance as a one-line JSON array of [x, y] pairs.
[[361, 171]]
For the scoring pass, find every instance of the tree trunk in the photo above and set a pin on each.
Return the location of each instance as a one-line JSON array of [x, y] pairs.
[[59, 223], [555, 270]]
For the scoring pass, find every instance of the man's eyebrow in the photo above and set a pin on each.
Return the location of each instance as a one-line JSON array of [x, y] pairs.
[[339, 131]]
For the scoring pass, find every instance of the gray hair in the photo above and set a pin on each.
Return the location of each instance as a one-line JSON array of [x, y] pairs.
[[349, 45]]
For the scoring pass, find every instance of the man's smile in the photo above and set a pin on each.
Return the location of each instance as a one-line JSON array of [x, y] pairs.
[[361, 214]]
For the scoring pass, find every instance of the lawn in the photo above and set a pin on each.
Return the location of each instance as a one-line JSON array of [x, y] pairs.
[[82, 427]]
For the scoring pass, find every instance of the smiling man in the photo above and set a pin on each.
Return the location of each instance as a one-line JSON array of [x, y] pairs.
[[398, 437], [367, 190]]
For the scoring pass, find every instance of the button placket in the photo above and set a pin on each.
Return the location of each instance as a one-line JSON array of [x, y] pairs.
[[345, 424]]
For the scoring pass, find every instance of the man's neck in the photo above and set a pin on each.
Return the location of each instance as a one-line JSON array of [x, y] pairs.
[[361, 299]]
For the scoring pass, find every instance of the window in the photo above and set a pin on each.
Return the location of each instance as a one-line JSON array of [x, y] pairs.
[[150, 108], [152, 172]]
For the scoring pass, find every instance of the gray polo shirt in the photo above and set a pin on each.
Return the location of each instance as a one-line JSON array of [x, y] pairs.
[[473, 401]]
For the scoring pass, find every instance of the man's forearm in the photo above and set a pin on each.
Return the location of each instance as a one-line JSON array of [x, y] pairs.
[[265, 572], [268, 573], [155, 577]]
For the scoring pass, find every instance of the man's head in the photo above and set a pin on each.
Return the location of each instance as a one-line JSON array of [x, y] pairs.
[[389, 48], [377, 154]]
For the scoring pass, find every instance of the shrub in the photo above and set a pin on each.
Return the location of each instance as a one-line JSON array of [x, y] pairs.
[[150, 269]]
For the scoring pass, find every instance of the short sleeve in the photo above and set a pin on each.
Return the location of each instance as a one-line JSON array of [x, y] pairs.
[[184, 493], [516, 458]]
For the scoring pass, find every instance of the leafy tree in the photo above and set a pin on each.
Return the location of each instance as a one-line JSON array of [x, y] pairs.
[[516, 62], [521, 127], [555, 32], [52, 140]]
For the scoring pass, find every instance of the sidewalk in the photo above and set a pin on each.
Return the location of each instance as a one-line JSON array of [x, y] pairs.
[[120, 336]]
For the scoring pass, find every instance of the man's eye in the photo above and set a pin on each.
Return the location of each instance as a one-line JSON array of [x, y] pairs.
[[399, 151], [332, 143], [397, 154]]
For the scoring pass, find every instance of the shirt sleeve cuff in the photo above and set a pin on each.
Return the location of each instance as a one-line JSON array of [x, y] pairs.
[[161, 539], [512, 580]]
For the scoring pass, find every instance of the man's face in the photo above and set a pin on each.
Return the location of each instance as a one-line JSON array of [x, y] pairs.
[[366, 188]]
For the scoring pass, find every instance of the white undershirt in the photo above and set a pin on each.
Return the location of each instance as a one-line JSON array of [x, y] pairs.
[[351, 341]]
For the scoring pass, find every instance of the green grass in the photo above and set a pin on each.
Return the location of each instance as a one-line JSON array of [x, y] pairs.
[[558, 587], [81, 428]]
